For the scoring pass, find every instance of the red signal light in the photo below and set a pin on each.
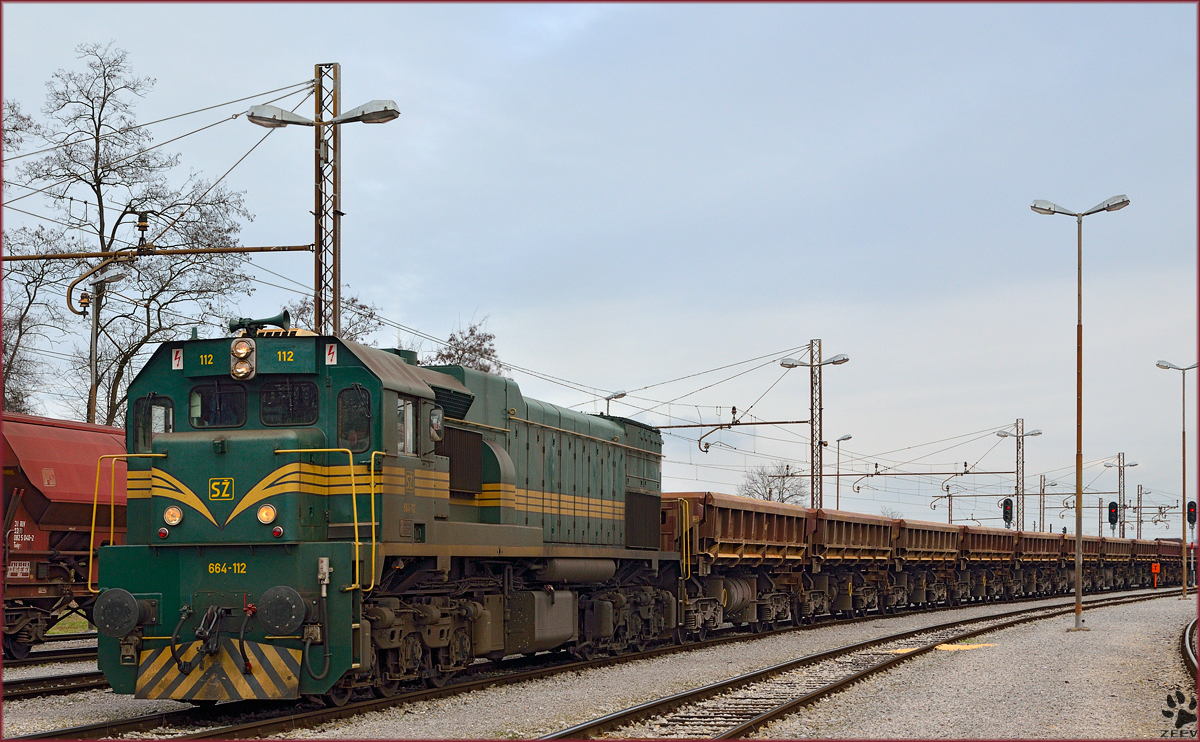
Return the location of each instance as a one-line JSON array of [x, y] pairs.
[[277, 531], [163, 533]]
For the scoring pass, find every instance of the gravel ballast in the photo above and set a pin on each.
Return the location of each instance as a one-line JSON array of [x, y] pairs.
[[539, 707], [1037, 681]]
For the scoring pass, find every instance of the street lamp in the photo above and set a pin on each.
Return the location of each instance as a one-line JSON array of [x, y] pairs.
[[838, 501], [814, 421], [327, 294], [111, 277], [1183, 508], [1120, 467], [610, 398], [1020, 435], [1046, 207]]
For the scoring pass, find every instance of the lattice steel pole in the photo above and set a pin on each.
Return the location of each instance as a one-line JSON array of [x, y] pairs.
[[1139, 513], [1042, 504], [1121, 491], [328, 202], [1020, 474], [814, 358]]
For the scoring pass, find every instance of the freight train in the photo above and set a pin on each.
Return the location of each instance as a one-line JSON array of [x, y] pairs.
[[310, 517], [49, 483]]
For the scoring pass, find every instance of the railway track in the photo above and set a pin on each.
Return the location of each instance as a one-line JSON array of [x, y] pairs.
[[79, 654], [50, 685], [1187, 647], [736, 707], [489, 675]]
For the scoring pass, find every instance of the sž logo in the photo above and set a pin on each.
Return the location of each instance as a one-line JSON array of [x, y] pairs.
[[1176, 710]]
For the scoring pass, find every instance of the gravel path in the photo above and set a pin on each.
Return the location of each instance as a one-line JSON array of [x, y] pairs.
[[1039, 681], [543, 706]]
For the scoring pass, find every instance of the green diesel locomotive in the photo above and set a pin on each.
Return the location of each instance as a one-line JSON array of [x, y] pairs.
[[308, 516]]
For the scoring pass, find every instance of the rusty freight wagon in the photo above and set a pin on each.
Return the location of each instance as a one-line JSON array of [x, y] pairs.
[[1039, 557], [924, 558], [49, 485], [987, 567]]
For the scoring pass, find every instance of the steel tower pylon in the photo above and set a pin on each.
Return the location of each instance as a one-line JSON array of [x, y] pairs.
[[327, 299]]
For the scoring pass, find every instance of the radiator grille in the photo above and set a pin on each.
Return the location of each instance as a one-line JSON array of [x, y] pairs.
[[641, 520]]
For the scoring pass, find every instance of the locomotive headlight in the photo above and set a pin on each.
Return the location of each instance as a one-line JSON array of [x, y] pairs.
[[242, 358], [242, 348], [173, 515], [266, 514]]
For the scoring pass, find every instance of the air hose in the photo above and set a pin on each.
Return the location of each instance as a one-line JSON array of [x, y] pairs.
[[325, 639], [184, 667]]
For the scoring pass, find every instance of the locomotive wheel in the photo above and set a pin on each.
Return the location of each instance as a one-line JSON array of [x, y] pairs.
[[15, 650], [337, 696]]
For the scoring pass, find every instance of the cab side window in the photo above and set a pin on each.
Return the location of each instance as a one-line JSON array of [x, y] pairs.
[[152, 416], [288, 403], [406, 428], [354, 419]]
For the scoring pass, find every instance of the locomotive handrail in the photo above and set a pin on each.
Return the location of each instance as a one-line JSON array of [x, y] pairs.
[[112, 506], [353, 507], [373, 549]]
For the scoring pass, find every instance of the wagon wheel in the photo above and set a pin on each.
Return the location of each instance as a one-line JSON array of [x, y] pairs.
[[338, 696], [437, 678], [387, 660], [15, 650]]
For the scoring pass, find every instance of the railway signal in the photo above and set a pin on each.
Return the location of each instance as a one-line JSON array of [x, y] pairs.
[[1112, 515], [1006, 508], [1191, 514]]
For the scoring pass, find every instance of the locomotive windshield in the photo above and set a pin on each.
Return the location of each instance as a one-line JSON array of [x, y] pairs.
[[217, 405], [288, 403]]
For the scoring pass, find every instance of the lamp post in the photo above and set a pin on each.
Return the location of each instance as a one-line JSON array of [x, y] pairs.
[[1120, 467], [838, 498], [93, 302], [1020, 435], [610, 398], [815, 363], [1046, 207], [1183, 506], [327, 211]]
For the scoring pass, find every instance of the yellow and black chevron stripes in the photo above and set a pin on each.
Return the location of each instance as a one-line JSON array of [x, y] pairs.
[[274, 675], [137, 485], [165, 485]]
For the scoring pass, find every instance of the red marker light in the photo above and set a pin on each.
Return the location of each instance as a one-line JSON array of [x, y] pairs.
[[163, 533], [277, 531]]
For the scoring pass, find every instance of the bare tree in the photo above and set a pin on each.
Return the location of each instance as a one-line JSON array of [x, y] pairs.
[[102, 173], [775, 482], [359, 319], [892, 513], [33, 312], [16, 126], [473, 347]]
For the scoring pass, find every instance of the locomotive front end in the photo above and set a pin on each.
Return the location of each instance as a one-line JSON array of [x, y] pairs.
[[239, 452]]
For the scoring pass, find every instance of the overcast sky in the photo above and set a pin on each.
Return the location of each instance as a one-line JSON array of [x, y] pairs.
[[636, 193]]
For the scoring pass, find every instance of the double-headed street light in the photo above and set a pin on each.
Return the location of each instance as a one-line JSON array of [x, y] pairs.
[[1120, 467], [1183, 508], [327, 211], [838, 499], [1020, 435], [608, 400], [814, 421], [1046, 207]]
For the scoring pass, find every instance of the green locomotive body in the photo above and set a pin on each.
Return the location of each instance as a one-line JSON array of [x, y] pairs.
[[307, 515]]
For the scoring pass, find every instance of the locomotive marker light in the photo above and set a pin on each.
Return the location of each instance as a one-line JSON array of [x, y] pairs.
[[1047, 207], [266, 515], [1183, 378], [327, 296], [173, 515]]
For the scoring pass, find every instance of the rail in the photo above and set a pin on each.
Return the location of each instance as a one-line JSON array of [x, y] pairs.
[[112, 506], [51, 685], [1188, 648], [353, 507]]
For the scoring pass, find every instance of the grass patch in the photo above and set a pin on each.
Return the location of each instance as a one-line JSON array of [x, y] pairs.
[[72, 624]]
